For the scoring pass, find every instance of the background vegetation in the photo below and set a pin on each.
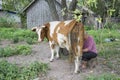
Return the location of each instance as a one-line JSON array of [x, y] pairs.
[[17, 35], [108, 50], [10, 71]]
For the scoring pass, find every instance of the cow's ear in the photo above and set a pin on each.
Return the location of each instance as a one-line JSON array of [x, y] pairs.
[[34, 29]]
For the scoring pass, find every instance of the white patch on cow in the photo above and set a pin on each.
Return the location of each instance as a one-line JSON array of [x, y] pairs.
[[78, 49], [78, 39], [43, 26], [57, 29], [67, 22], [76, 64], [61, 40], [52, 27], [39, 34], [57, 51], [52, 51]]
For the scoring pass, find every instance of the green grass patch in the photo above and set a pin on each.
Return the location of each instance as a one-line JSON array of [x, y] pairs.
[[109, 49], [17, 50], [106, 76], [102, 34], [17, 35], [10, 71]]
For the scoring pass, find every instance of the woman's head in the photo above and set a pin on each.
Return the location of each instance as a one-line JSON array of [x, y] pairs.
[[86, 35]]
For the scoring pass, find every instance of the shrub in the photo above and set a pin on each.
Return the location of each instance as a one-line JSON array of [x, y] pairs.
[[10, 71], [15, 39], [29, 40]]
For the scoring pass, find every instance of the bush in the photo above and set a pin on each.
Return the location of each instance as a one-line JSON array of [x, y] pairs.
[[30, 40], [15, 39], [12, 72]]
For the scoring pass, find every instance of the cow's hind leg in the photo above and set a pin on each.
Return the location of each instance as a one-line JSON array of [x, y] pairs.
[[77, 63], [57, 52]]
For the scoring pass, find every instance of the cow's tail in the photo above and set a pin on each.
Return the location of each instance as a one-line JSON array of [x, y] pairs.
[[76, 32]]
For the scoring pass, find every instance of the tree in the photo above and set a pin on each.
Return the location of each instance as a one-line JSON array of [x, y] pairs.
[[15, 5], [53, 10]]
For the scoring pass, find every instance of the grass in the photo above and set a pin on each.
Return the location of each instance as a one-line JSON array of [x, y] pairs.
[[10, 71], [17, 35], [101, 35], [17, 50], [104, 77]]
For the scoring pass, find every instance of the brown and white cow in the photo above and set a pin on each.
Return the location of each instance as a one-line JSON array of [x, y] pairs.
[[65, 34]]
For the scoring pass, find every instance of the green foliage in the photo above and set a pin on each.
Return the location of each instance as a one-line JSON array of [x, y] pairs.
[[76, 16], [105, 8], [17, 35], [107, 50], [101, 35], [8, 51], [24, 49], [104, 77], [20, 49], [15, 39], [15, 5], [7, 22], [10, 71]]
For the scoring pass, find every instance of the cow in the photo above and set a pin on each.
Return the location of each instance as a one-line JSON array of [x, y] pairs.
[[65, 34]]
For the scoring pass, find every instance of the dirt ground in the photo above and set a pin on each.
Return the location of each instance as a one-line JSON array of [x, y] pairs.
[[60, 69]]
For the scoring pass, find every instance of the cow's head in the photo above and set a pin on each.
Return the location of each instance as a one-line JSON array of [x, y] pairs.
[[41, 31]]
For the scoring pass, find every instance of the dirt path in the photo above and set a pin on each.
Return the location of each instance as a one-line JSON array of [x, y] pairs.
[[59, 69]]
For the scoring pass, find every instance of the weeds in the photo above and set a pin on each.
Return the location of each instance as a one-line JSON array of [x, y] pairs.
[[18, 35], [104, 77], [20, 49], [10, 71]]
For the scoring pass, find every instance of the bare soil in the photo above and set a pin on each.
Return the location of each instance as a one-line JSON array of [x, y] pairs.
[[60, 69]]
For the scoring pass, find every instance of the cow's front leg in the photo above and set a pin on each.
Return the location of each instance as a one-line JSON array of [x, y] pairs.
[[52, 47], [52, 55], [77, 64]]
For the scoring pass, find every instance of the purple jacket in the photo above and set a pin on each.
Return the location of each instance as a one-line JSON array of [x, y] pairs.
[[90, 44]]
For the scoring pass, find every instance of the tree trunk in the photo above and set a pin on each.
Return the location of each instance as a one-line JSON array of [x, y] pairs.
[[53, 10], [64, 6], [72, 7]]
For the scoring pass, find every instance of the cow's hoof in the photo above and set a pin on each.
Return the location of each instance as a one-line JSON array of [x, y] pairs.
[[57, 58], [51, 60], [76, 72]]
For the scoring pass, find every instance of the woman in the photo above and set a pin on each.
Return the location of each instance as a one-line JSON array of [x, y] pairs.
[[89, 50]]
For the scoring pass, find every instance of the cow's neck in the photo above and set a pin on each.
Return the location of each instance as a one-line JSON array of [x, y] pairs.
[[47, 31]]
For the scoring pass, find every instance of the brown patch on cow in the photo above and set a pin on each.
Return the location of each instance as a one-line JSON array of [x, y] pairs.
[[66, 29], [47, 31], [52, 46]]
